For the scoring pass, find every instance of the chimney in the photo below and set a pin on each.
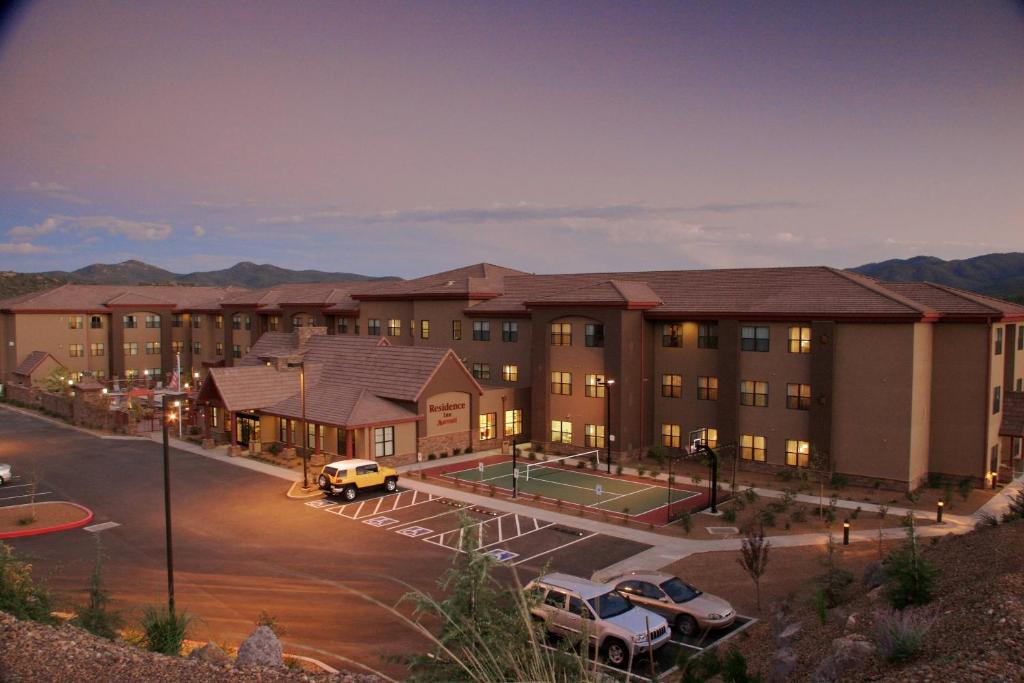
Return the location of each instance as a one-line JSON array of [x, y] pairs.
[[302, 335]]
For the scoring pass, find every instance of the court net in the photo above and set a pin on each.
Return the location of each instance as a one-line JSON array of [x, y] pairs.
[[542, 470]]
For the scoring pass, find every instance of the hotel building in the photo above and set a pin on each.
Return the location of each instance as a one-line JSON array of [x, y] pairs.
[[890, 381]]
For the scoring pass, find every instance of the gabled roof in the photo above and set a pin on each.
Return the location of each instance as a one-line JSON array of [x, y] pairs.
[[254, 387], [273, 299], [137, 299], [618, 293], [1012, 423], [100, 298], [478, 281], [342, 405], [954, 303], [33, 361]]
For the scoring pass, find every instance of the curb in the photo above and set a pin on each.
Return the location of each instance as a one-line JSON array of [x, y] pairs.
[[51, 529], [297, 486]]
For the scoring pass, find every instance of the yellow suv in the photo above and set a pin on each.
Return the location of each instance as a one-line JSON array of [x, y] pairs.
[[348, 477]]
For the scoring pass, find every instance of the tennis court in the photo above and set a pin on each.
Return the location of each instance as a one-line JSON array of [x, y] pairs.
[[587, 486]]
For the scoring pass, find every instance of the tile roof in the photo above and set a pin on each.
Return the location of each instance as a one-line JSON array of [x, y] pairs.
[[1012, 423], [480, 280], [333, 294], [953, 302], [31, 362], [627, 293], [254, 387], [99, 298]]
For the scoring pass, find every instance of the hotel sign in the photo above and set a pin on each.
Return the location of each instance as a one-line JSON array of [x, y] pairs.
[[447, 412]]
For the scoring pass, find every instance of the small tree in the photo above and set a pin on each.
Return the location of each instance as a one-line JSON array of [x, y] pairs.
[[96, 617], [754, 558], [883, 510], [57, 380], [820, 463], [909, 576], [835, 580], [20, 595]]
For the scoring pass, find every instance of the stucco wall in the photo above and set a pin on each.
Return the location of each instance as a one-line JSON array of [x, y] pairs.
[[959, 395]]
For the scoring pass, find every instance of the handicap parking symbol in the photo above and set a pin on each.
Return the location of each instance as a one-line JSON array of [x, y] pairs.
[[414, 531], [501, 555], [320, 503], [380, 521]]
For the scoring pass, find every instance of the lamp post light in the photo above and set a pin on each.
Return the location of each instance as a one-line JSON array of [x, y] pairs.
[[305, 428], [609, 437], [846, 533], [169, 416], [177, 404], [938, 512]]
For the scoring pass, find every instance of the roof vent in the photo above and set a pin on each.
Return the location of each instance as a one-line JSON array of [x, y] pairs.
[[449, 283]]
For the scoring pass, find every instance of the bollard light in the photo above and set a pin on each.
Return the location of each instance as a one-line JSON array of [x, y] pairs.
[[938, 512], [846, 533]]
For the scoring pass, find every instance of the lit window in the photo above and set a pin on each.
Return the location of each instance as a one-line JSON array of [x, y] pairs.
[[798, 396], [561, 431], [561, 383], [97, 349], [754, 338], [488, 426], [219, 349], [510, 373], [177, 346], [197, 348], [752, 447], [373, 327], [456, 330], [131, 373], [74, 322], [131, 348], [76, 350], [152, 321], [218, 322], [394, 327], [152, 348], [509, 331], [561, 334], [754, 393], [424, 329], [594, 335], [671, 435], [707, 388], [594, 436], [711, 434], [513, 422], [482, 370], [799, 340], [798, 453], [384, 441], [672, 335], [707, 336], [595, 386], [672, 386], [481, 330]]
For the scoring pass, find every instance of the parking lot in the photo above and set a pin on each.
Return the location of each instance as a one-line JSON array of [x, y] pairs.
[[18, 491]]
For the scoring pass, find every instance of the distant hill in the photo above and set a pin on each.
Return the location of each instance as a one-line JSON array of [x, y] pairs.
[[1000, 275], [244, 274]]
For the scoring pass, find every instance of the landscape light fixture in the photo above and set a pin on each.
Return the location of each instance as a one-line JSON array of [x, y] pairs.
[[938, 512], [846, 533], [169, 417], [608, 438]]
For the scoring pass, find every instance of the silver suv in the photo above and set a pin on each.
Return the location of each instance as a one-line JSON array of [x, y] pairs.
[[575, 608]]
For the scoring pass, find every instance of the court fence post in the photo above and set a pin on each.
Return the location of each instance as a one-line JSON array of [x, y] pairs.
[[515, 472]]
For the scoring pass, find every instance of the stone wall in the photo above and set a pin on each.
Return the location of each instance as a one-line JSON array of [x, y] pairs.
[[443, 443]]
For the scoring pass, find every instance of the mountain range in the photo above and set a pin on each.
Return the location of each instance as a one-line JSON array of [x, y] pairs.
[[999, 275]]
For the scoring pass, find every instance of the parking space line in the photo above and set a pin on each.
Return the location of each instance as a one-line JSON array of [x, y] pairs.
[[519, 531], [516, 538], [396, 497], [440, 514], [28, 495], [553, 550], [14, 486]]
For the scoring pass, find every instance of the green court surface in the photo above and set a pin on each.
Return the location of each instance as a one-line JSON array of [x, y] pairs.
[[578, 487]]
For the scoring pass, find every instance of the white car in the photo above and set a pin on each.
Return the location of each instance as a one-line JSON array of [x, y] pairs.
[[5, 473], [574, 608]]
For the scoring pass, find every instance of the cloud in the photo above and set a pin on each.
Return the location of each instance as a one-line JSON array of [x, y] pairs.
[[198, 230], [85, 225], [23, 248], [54, 190]]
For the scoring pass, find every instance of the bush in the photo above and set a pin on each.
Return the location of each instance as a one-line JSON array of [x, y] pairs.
[[658, 454], [431, 456], [469, 449], [729, 515], [640, 471], [618, 469], [786, 475], [444, 454], [164, 631], [456, 451], [767, 517], [900, 635], [20, 596], [910, 578], [274, 448], [1015, 510], [96, 617], [856, 512], [539, 448], [580, 464], [934, 480], [750, 495], [838, 481], [685, 520], [531, 456], [265, 618], [985, 519], [965, 487]]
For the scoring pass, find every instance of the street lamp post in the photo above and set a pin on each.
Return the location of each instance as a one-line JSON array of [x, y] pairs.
[[608, 384], [168, 417], [305, 427], [515, 472]]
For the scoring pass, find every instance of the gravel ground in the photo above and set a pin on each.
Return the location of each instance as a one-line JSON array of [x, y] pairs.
[[979, 612], [31, 652]]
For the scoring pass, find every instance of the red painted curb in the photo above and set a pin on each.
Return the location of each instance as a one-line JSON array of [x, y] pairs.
[[51, 529]]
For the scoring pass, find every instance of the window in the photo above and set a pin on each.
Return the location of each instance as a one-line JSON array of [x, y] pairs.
[[131, 348], [561, 383], [509, 331], [593, 335], [248, 322], [100, 374], [74, 322], [594, 436], [712, 437], [672, 334], [1020, 337], [218, 350], [797, 452], [754, 338], [481, 330], [672, 386], [561, 334], [412, 328], [197, 321], [177, 347], [510, 373], [999, 341], [799, 340], [997, 399], [197, 348], [132, 373], [753, 393], [707, 336], [97, 349], [424, 329], [373, 327], [96, 322], [456, 330], [561, 431], [152, 322], [595, 386], [383, 441], [76, 350], [671, 435], [75, 377], [177, 320], [798, 396], [342, 325], [513, 422], [152, 348], [355, 326], [236, 351], [218, 322], [130, 322], [153, 373], [488, 426], [482, 370], [752, 447], [394, 327], [236, 322], [707, 388]]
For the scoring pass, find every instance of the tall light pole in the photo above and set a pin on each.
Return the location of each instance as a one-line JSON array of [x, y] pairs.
[[608, 437], [305, 429], [169, 416]]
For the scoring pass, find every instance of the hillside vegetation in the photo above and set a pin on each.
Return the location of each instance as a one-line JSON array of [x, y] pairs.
[[1000, 275]]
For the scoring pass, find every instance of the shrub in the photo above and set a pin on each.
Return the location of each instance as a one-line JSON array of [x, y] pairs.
[[751, 495], [618, 469], [835, 581], [456, 451], [267, 619], [734, 668], [910, 578], [431, 456], [838, 481], [965, 487], [767, 517], [900, 635], [754, 559], [443, 454], [1015, 510], [96, 617], [640, 471], [20, 596], [985, 519], [786, 475], [658, 454], [274, 448], [685, 520], [856, 512], [934, 480], [539, 448], [820, 603], [469, 449], [164, 631], [580, 464], [729, 515], [799, 514]]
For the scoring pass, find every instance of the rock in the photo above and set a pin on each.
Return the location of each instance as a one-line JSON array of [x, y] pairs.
[[210, 653], [781, 666], [874, 574], [851, 623], [789, 634], [262, 648], [838, 616], [875, 594], [847, 652]]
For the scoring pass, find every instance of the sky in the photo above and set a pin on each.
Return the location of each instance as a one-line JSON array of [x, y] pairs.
[[406, 138]]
